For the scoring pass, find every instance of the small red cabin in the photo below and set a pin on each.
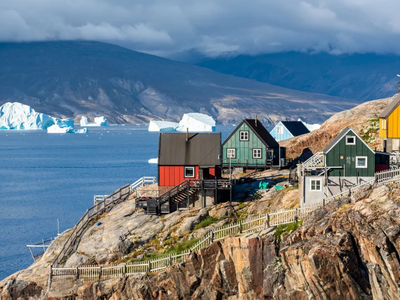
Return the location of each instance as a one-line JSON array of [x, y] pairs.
[[183, 156]]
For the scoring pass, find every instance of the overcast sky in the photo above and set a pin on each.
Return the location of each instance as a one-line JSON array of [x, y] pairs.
[[212, 27]]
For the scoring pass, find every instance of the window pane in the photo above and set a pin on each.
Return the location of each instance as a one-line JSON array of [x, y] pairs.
[[362, 162], [189, 172]]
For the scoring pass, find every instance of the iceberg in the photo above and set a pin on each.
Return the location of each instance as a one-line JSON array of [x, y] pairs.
[[196, 122], [153, 161], [64, 123], [311, 127], [58, 129], [14, 115], [98, 121], [67, 129], [160, 126]]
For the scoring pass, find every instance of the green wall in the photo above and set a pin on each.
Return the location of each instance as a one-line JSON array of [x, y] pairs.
[[349, 153], [244, 149]]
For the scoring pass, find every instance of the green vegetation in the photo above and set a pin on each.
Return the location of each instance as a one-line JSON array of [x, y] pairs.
[[241, 205], [285, 229], [207, 221], [179, 247]]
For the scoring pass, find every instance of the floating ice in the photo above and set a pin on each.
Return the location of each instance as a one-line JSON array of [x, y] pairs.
[[162, 126], [64, 123], [153, 161], [19, 116], [196, 122], [98, 121], [68, 129], [57, 129], [311, 127]]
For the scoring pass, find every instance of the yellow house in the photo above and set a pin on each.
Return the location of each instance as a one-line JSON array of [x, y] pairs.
[[389, 126]]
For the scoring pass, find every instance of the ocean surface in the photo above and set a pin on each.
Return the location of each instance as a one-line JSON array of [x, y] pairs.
[[45, 177]]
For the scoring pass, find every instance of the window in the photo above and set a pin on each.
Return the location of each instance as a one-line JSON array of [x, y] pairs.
[[383, 124], [189, 172], [244, 135], [361, 162], [257, 153], [316, 185], [231, 153], [279, 130], [350, 140]]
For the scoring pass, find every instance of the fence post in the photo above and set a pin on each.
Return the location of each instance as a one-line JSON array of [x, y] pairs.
[[268, 220], [100, 270], [50, 276], [296, 218], [170, 260], [77, 273], [124, 269], [211, 237], [149, 267], [240, 227]]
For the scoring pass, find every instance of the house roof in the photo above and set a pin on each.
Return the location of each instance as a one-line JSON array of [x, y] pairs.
[[201, 149], [340, 136], [295, 127], [259, 129], [391, 107]]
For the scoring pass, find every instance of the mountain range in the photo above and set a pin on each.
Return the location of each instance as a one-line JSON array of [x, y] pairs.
[[359, 77], [75, 78]]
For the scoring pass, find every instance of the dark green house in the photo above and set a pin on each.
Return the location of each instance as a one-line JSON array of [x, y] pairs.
[[251, 146], [346, 162], [349, 156]]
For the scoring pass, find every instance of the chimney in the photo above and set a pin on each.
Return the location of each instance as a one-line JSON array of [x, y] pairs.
[[187, 134], [255, 120]]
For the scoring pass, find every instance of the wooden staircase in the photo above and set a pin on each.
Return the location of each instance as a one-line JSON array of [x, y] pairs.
[[180, 196]]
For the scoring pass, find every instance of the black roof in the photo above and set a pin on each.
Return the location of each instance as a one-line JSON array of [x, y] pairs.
[[259, 129], [295, 127], [391, 107], [201, 149]]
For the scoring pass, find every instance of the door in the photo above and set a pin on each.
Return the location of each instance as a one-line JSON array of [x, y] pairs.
[[269, 157]]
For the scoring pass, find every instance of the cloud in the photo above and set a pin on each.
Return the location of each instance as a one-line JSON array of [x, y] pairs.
[[210, 26]]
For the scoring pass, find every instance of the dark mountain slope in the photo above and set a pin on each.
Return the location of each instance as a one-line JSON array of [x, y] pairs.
[[360, 76], [90, 78]]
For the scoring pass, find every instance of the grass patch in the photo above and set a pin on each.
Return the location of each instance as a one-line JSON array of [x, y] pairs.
[[285, 229], [241, 205], [207, 221], [179, 247], [374, 120]]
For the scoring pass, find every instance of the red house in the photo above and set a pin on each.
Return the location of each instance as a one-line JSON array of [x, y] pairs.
[[183, 156]]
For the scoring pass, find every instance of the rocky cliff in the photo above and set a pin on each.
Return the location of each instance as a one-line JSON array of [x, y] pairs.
[[348, 249]]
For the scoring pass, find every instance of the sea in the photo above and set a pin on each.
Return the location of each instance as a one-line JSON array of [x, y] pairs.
[[48, 181]]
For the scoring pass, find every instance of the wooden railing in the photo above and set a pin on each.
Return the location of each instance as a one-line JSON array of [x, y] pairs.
[[116, 197]]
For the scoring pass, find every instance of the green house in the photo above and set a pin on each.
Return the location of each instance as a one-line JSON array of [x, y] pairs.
[[251, 146], [345, 163], [349, 156]]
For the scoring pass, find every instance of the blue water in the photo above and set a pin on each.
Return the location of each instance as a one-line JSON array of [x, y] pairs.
[[48, 176]]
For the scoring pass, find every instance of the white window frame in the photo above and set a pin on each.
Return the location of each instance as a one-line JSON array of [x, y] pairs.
[[257, 151], [384, 124], [279, 129], [187, 168], [353, 137], [366, 162], [230, 151], [315, 185], [245, 135]]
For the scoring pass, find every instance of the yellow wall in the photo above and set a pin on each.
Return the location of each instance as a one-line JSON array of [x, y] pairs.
[[382, 132], [394, 124]]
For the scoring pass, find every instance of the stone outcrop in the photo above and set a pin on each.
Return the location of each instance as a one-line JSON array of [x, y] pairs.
[[344, 250]]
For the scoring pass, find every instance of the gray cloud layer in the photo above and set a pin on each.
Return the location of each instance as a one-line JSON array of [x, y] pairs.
[[210, 26]]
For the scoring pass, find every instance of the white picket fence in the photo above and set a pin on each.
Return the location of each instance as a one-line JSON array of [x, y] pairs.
[[251, 224]]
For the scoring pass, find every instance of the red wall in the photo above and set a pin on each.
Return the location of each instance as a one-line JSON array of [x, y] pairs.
[[173, 175], [379, 168]]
